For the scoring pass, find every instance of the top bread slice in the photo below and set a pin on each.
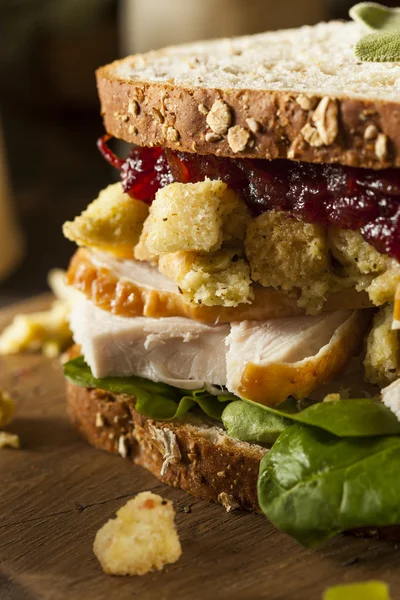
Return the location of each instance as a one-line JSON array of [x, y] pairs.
[[298, 93]]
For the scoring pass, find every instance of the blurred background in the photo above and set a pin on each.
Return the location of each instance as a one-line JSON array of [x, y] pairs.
[[50, 168]]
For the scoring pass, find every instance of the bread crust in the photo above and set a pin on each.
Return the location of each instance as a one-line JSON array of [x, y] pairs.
[[128, 299], [204, 461], [365, 133], [225, 473]]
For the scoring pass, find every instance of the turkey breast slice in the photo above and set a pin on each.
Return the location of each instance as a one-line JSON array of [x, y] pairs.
[[269, 361], [175, 350], [262, 361]]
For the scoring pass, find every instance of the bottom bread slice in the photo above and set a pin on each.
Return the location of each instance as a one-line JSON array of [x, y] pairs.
[[192, 453]]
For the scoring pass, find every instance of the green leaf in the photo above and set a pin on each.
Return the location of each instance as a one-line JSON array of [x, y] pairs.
[[360, 417], [250, 423], [367, 590], [376, 17], [313, 485], [384, 44], [153, 399], [379, 47]]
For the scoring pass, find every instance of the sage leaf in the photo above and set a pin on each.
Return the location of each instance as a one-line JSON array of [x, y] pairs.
[[379, 47], [376, 16]]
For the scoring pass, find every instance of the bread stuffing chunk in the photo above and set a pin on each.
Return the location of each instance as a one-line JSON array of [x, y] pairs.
[[113, 222], [221, 278], [7, 408], [383, 288], [191, 216], [354, 253], [9, 440], [142, 538], [46, 330], [286, 253], [382, 359]]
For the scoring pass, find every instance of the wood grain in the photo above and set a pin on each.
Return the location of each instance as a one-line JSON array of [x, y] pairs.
[[56, 492]]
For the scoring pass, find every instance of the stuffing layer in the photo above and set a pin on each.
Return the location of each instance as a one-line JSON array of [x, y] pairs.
[[202, 237]]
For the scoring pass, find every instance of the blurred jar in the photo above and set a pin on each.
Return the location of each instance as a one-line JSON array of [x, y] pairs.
[[11, 240], [150, 24]]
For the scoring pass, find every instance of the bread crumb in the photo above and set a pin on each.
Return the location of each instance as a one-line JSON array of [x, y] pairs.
[[140, 539], [7, 408], [9, 440], [47, 331], [228, 502]]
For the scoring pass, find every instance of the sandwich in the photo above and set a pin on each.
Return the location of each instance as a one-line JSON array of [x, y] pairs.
[[237, 327]]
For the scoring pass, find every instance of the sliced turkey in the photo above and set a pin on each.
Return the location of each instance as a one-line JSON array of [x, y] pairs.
[[391, 397], [262, 361], [132, 288], [174, 350], [269, 361]]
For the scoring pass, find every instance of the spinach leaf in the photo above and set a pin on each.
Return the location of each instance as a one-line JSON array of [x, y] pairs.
[[313, 485], [153, 399], [250, 423], [359, 417]]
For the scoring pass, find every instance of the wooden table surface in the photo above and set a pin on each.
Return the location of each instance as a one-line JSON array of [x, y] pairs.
[[56, 492]]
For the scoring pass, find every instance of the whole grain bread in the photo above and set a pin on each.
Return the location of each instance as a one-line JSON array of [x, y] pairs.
[[192, 453], [299, 94]]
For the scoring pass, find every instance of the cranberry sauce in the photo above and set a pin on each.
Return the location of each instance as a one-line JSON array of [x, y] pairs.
[[346, 197]]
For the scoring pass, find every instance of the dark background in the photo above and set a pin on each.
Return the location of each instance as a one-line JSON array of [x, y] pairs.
[[50, 118]]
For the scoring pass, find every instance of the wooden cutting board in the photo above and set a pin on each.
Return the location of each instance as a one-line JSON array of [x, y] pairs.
[[56, 492]]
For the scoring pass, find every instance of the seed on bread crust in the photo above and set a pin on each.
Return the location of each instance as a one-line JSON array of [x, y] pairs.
[[212, 137], [253, 125], [99, 420], [157, 116], [134, 107], [370, 132], [311, 135], [238, 137], [324, 127], [381, 146], [172, 134], [220, 117], [325, 118], [203, 109], [122, 446], [307, 102], [165, 440]]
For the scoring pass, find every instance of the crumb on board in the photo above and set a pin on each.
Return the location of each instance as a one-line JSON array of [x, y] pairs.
[[47, 330], [7, 408], [140, 539], [9, 440]]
